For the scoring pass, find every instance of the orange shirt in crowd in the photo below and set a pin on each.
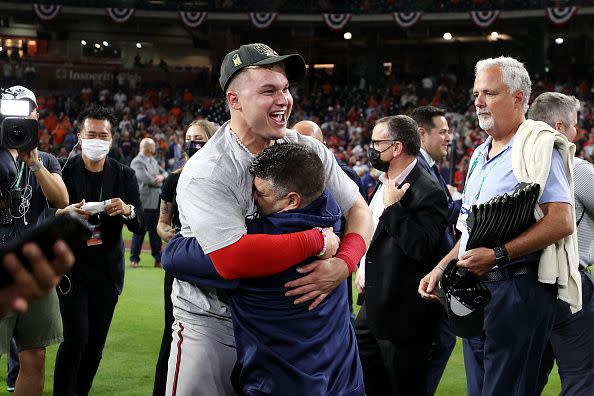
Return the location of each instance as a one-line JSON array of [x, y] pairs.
[[51, 121]]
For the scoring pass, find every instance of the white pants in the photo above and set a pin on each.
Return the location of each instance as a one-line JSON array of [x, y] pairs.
[[199, 365]]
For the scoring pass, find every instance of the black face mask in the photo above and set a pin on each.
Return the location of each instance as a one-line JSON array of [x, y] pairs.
[[192, 147], [376, 161]]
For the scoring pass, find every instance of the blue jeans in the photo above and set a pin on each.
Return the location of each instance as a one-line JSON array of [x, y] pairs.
[[151, 217], [505, 359]]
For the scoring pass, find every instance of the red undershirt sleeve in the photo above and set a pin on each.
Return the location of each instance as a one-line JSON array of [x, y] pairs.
[[258, 255]]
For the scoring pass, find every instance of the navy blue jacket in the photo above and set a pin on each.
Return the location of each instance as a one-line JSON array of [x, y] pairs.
[[283, 348], [450, 236]]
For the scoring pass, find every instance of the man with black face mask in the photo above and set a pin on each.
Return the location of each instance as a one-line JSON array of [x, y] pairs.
[[195, 137], [394, 327]]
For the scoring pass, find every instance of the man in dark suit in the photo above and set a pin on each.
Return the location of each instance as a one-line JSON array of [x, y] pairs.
[[435, 141], [310, 128], [90, 291], [394, 327]]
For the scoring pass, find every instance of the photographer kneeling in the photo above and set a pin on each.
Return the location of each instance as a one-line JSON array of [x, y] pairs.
[[38, 184]]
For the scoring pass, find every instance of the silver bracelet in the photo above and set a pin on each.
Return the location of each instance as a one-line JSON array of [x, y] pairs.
[[440, 267]]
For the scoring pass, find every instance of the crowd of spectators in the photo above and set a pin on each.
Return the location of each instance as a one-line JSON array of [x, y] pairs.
[[346, 115]]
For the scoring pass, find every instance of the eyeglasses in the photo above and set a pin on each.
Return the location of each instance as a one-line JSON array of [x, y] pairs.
[[375, 142]]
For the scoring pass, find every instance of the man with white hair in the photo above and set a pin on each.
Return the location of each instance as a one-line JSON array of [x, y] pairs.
[[150, 177], [572, 339], [521, 273]]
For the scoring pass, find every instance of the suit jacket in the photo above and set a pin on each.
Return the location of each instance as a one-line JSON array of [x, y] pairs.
[[146, 168], [119, 181], [453, 208], [404, 248]]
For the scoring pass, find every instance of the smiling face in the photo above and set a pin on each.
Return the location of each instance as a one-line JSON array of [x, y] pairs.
[[260, 102], [436, 140], [497, 108]]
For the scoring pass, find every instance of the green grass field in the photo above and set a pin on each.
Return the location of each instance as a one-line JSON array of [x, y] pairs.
[[133, 343]]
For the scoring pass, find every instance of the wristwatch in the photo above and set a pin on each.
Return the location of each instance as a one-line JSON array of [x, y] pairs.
[[36, 167], [132, 213], [501, 257]]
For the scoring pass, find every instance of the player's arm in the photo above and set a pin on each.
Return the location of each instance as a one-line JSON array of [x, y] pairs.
[[221, 232]]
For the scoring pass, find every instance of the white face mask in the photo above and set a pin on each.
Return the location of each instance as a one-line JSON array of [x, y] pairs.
[[95, 149]]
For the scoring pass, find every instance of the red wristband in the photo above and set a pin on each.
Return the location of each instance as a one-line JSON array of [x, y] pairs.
[[352, 248]]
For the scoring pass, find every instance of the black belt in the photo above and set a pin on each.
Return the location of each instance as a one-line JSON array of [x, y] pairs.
[[501, 274]]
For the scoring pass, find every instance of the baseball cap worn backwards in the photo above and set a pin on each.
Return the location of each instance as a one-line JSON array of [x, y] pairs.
[[257, 54]]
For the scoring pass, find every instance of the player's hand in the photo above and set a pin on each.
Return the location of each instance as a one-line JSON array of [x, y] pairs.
[[76, 208], [170, 234], [43, 277], [322, 277], [428, 284], [478, 261], [332, 243], [118, 207]]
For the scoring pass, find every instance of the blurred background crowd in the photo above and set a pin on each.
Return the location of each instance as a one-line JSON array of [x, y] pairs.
[[346, 114]]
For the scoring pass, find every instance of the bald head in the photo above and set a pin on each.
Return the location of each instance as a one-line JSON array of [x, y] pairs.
[[147, 147], [309, 128]]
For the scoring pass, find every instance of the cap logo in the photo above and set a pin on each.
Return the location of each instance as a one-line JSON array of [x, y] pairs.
[[265, 50], [236, 60]]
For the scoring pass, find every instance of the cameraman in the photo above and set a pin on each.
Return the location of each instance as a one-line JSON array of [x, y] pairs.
[[27, 285], [40, 184]]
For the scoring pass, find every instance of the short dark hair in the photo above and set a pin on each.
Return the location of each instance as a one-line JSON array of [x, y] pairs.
[[291, 167], [423, 116], [405, 130], [98, 113]]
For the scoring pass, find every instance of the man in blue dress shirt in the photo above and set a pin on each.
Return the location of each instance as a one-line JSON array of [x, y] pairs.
[[505, 358]]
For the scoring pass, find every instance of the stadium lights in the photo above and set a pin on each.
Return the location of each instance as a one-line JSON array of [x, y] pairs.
[[105, 43], [97, 45], [447, 36], [559, 40], [494, 35], [348, 36], [83, 42], [321, 66], [138, 45], [1, 49]]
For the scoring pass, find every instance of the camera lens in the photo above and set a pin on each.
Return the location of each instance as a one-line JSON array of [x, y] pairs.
[[17, 135]]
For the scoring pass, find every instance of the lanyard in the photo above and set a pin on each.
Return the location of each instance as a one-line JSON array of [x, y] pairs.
[[21, 171], [486, 174]]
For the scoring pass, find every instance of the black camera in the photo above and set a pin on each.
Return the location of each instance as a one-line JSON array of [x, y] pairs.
[[17, 130]]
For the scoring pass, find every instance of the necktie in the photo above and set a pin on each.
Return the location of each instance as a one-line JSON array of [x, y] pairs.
[[436, 172]]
